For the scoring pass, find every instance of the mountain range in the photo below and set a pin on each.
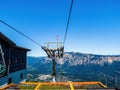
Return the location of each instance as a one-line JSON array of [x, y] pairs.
[[76, 66]]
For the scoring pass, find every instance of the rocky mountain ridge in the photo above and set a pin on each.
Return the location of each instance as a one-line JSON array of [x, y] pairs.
[[77, 67], [74, 59], [80, 58]]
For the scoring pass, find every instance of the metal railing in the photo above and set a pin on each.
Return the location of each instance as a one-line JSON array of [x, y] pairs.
[[57, 85]]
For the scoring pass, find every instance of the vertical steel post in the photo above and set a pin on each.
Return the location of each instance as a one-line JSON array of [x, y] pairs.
[[54, 68]]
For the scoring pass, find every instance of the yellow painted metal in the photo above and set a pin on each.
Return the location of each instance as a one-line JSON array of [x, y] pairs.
[[38, 86], [6, 86], [85, 83], [101, 84], [71, 86], [54, 83], [70, 83]]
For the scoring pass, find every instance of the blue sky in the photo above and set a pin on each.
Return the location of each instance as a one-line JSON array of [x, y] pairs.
[[94, 25]]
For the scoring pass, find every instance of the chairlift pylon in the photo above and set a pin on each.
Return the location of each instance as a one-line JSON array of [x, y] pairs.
[[54, 50]]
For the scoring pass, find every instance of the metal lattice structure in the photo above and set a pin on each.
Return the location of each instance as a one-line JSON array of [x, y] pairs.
[[54, 50]]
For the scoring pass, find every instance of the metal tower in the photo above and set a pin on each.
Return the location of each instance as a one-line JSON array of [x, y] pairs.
[[54, 50]]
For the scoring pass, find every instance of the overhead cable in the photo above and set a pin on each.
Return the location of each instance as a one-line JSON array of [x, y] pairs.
[[68, 21], [20, 33]]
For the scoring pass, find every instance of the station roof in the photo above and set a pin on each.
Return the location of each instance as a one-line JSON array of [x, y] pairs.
[[7, 40]]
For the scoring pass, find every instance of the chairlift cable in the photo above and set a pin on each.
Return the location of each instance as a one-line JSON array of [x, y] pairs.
[[20, 33], [68, 21]]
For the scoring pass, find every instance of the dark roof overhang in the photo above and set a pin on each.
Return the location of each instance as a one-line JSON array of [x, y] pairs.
[[2, 36], [22, 48]]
